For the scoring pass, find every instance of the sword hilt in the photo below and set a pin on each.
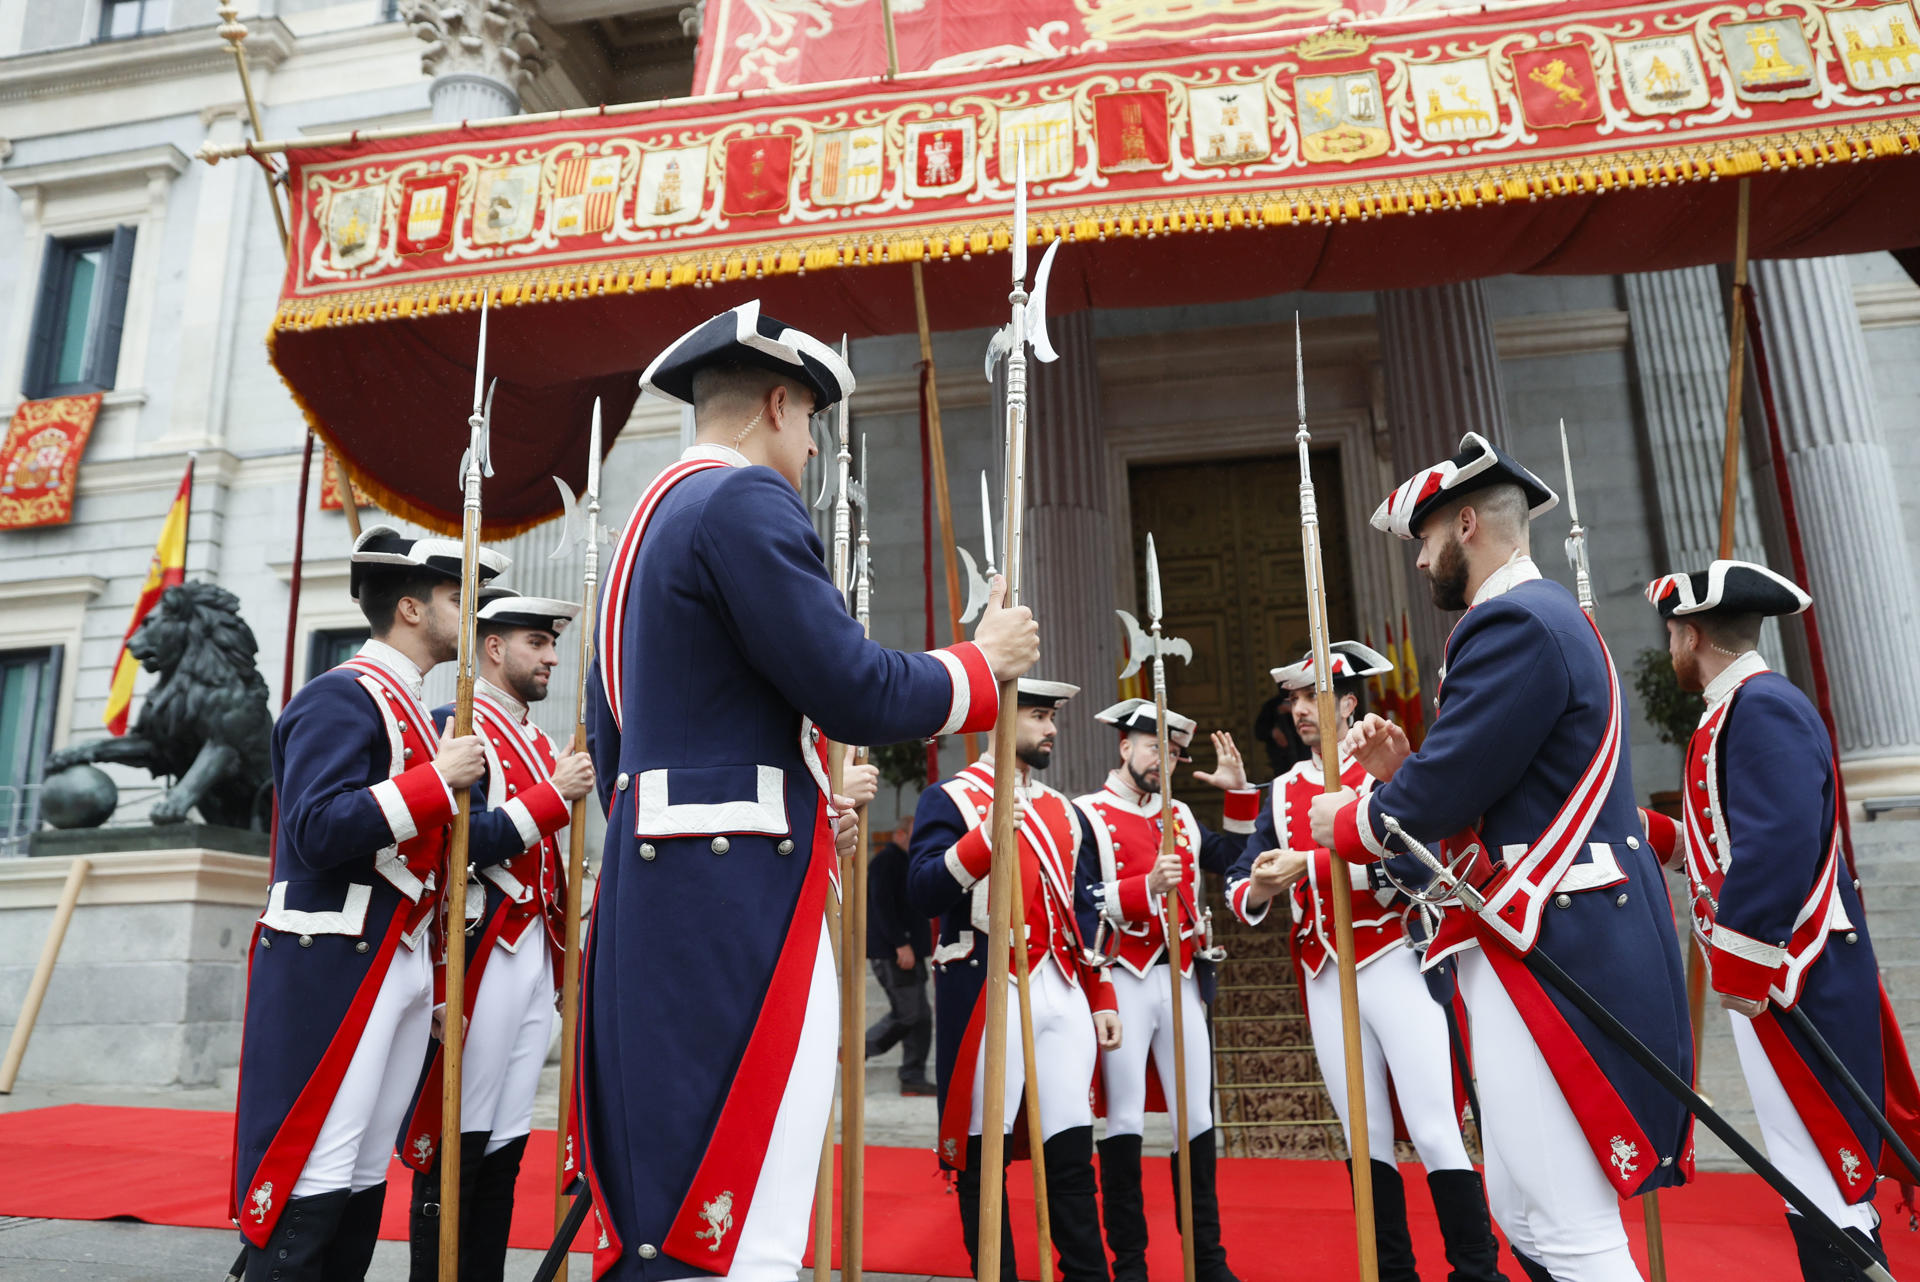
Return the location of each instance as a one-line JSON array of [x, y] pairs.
[[1463, 890]]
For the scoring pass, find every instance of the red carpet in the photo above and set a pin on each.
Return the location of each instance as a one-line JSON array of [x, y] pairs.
[[1283, 1220]]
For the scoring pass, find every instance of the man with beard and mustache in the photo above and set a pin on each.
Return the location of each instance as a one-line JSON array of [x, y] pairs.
[[1072, 1000], [514, 937], [1776, 910], [340, 988], [1404, 1037], [1126, 879], [1524, 778]]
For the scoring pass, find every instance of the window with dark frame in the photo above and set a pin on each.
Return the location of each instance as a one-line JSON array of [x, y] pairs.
[[74, 345], [122, 19], [29, 697], [330, 647]]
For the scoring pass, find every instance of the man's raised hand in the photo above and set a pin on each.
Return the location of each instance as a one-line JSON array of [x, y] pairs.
[[1007, 635], [1229, 773], [1378, 745]]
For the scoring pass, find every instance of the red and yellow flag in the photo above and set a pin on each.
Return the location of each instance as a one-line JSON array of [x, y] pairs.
[[169, 566]]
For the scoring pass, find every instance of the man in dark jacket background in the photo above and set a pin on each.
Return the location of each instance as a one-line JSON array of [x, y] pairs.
[[899, 941]]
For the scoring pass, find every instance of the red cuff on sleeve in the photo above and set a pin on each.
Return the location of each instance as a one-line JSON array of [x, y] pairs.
[[426, 796], [1663, 834], [975, 852], [1135, 903], [549, 809], [1100, 993], [976, 693], [1242, 805], [1346, 835], [1739, 976]]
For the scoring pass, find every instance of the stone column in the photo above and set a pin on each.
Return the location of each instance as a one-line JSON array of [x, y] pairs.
[[1859, 563], [1443, 380], [1679, 345], [480, 53], [1069, 537]]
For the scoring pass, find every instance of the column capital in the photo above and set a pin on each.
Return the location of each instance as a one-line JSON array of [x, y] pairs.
[[477, 40]]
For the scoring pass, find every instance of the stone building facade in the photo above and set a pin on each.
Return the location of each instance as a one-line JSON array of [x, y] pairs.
[[1177, 418]]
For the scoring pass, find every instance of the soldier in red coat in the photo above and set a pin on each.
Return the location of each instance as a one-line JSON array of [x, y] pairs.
[[1127, 877], [1777, 910], [1404, 1036], [516, 912], [1071, 998]]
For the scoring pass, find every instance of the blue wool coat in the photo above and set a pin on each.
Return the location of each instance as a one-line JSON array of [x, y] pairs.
[[729, 657], [1524, 707]]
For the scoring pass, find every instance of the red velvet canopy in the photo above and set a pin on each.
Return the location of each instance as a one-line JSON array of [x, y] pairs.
[[1578, 138]]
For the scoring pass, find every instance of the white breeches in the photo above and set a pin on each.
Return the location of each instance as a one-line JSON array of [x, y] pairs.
[[1544, 1185], [774, 1235], [1789, 1147], [1064, 1052], [1146, 1028], [1403, 1035], [507, 1041], [356, 1141]]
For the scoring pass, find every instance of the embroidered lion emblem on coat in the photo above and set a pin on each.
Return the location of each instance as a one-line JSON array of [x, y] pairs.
[[718, 1217], [1624, 1153], [261, 1202], [206, 724]]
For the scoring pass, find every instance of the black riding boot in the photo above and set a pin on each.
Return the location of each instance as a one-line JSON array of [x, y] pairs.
[[1074, 1203], [966, 1187], [1390, 1235], [351, 1252], [1460, 1200], [423, 1221], [1122, 1205], [1821, 1260], [1209, 1257], [297, 1251], [1535, 1271], [483, 1253]]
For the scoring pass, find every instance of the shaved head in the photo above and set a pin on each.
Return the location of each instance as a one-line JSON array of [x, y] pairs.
[[731, 393]]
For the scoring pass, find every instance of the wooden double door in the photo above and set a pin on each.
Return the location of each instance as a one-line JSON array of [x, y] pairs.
[[1234, 581]]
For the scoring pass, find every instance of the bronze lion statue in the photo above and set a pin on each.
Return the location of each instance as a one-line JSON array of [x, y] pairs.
[[205, 726]]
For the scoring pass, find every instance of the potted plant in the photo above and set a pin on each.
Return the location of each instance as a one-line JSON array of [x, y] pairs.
[[1672, 712], [902, 765]]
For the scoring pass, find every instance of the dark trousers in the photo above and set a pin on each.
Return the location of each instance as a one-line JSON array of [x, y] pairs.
[[909, 1017]]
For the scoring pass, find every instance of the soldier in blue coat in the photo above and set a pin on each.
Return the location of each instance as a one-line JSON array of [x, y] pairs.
[[1525, 778], [1777, 910], [727, 660], [340, 988]]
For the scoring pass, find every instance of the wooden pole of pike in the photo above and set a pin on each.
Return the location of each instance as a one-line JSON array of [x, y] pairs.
[[577, 825], [1171, 915], [1003, 873], [838, 918], [454, 1032], [853, 950], [1357, 1140], [43, 973], [1583, 592], [1729, 503]]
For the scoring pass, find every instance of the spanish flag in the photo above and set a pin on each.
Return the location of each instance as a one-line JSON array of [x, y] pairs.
[[169, 566]]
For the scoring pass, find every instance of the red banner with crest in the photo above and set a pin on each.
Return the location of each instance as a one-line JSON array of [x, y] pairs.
[[40, 460]]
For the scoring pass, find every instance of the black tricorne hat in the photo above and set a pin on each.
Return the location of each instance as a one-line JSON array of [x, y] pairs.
[[1727, 588], [746, 336], [505, 608], [381, 547], [1034, 693], [1478, 464], [1350, 660]]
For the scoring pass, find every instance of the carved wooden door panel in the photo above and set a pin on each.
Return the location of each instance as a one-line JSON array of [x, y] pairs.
[[1228, 538]]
